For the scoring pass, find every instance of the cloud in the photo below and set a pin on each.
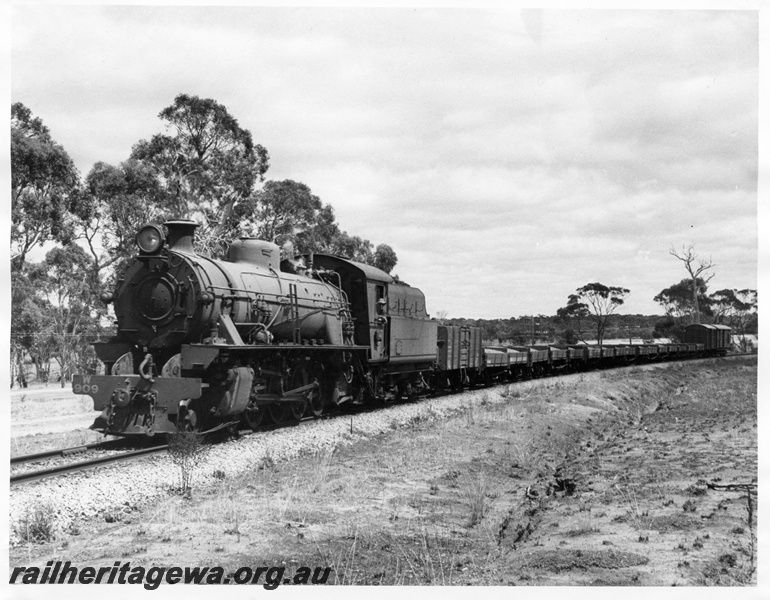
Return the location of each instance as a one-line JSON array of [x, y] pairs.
[[507, 156]]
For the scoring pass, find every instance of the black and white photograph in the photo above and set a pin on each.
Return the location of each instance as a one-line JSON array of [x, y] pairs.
[[408, 295]]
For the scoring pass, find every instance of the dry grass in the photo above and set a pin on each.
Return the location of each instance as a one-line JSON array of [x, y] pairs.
[[584, 524], [638, 516], [475, 492], [419, 556], [37, 526], [320, 469], [32, 444], [524, 454]]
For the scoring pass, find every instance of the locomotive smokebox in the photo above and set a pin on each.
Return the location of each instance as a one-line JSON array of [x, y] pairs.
[[255, 252], [181, 236]]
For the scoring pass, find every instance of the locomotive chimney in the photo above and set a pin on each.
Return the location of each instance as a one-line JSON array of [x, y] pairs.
[[181, 235]]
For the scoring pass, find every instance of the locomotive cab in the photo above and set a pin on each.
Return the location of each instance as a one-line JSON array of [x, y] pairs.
[[389, 317], [367, 291]]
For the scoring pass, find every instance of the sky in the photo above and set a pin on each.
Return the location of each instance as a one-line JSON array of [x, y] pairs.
[[507, 156]]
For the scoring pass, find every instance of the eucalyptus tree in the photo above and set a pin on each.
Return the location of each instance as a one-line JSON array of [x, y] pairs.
[[736, 307], [115, 201], [696, 266], [43, 182], [66, 290], [289, 214], [596, 302], [678, 303], [44, 186], [205, 163], [385, 258]]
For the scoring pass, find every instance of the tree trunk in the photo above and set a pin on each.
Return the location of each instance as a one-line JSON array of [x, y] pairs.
[[22, 376], [65, 367], [696, 314]]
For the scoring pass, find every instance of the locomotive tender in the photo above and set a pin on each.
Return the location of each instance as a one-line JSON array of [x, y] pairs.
[[204, 343]]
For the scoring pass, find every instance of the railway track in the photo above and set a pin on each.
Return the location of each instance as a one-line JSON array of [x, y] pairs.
[[111, 445], [65, 452], [29, 476]]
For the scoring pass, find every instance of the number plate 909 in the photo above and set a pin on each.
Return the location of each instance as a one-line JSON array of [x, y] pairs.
[[85, 388]]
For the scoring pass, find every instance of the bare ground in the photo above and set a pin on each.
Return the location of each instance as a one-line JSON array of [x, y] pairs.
[[610, 478], [45, 418]]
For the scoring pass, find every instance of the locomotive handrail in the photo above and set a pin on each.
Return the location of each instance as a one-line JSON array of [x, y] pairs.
[[294, 304], [278, 297], [290, 319]]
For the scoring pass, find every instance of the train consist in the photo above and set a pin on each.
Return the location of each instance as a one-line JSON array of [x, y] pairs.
[[204, 343]]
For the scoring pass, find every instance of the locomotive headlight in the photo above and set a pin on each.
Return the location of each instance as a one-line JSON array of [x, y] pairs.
[[149, 239]]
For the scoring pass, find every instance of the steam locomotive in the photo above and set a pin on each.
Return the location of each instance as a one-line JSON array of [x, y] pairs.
[[204, 343]]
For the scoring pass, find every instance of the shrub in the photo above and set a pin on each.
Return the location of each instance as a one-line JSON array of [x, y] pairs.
[[37, 526], [186, 450]]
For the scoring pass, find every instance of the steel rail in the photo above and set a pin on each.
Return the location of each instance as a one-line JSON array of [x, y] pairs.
[[64, 452], [84, 465], [30, 476]]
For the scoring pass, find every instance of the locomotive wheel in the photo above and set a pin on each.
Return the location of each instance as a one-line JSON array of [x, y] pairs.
[[315, 402], [298, 379], [254, 417], [297, 410], [279, 412]]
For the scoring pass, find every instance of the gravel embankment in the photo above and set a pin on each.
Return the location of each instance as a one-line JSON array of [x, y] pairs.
[[82, 496]]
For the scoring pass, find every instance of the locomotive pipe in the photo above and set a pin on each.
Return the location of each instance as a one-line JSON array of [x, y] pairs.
[[181, 235]]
